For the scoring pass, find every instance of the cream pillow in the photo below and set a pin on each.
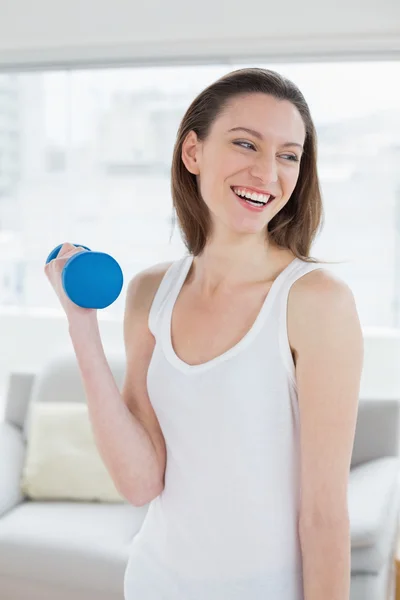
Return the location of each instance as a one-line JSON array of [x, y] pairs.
[[62, 461]]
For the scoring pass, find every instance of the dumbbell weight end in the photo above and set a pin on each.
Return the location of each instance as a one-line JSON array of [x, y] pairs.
[[91, 279]]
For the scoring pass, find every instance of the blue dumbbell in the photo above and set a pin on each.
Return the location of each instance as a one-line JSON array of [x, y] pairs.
[[90, 279]]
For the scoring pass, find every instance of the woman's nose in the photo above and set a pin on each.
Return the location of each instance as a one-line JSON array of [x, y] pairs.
[[265, 169]]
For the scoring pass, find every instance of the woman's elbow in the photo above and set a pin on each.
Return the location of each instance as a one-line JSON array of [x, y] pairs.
[[138, 497]]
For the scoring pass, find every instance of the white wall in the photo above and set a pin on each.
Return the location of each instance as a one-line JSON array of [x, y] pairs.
[[57, 33], [29, 338]]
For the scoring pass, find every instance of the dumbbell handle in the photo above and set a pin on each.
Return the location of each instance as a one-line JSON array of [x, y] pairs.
[[54, 253]]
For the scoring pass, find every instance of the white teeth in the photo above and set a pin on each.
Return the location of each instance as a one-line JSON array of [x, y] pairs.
[[252, 195]]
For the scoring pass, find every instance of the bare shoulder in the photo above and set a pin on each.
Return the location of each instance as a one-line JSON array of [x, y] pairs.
[[320, 301], [320, 286], [142, 287], [320, 280]]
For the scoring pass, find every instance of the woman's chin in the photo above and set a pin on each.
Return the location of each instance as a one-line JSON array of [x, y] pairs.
[[247, 226], [244, 230], [239, 226]]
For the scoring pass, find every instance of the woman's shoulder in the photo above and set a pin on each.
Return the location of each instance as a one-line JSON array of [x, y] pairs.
[[143, 285], [315, 277], [318, 287]]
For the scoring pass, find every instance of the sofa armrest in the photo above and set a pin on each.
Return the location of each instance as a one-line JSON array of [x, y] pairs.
[[378, 430], [12, 455], [19, 391], [373, 497]]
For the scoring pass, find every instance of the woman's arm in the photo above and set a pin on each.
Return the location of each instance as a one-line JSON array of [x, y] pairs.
[[122, 441], [326, 337], [125, 427]]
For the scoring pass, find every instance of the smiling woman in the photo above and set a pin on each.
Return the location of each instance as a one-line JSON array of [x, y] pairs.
[[243, 355], [229, 327], [231, 106]]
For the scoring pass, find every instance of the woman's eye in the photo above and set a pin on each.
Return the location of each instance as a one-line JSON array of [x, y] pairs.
[[248, 145], [292, 157]]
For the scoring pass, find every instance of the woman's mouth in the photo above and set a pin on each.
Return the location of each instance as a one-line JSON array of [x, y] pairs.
[[252, 201]]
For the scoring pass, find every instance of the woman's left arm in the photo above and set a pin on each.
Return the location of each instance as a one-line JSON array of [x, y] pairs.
[[326, 337]]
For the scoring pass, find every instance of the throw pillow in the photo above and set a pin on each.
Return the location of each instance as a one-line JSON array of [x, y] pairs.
[[62, 461]]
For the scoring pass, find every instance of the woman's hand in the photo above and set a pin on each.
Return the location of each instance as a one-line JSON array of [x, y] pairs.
[[53, 271]]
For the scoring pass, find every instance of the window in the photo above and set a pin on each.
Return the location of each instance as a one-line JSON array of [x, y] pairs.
[[85, 157]]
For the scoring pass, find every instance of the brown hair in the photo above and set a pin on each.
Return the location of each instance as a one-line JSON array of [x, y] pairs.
[[296, 225]]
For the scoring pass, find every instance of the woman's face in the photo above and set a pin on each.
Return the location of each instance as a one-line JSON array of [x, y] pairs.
[[254, 147]]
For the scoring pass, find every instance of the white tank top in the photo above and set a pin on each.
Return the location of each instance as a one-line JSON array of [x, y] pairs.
[[225, 527]]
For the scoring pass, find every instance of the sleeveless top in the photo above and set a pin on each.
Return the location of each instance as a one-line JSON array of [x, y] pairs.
[[225, 525]]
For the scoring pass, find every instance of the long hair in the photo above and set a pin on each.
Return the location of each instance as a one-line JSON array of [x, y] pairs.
[[296, 225]]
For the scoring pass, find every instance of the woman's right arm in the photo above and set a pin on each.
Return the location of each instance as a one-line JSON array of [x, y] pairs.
[[139, 346], [125, 427]]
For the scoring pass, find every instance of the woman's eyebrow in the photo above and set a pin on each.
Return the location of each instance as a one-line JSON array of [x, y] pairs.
[[260, 136]]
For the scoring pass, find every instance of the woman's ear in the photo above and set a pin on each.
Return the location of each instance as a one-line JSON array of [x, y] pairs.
[[190, 153]]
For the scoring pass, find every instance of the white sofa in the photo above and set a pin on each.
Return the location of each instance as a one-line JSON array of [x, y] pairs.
[[78, 550]]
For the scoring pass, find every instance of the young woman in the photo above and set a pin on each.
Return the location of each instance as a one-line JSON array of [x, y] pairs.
[[237, 416]]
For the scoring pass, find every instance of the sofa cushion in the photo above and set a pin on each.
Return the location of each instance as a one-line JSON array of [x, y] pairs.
[[77, 545], [374, 513], [62, 461]]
